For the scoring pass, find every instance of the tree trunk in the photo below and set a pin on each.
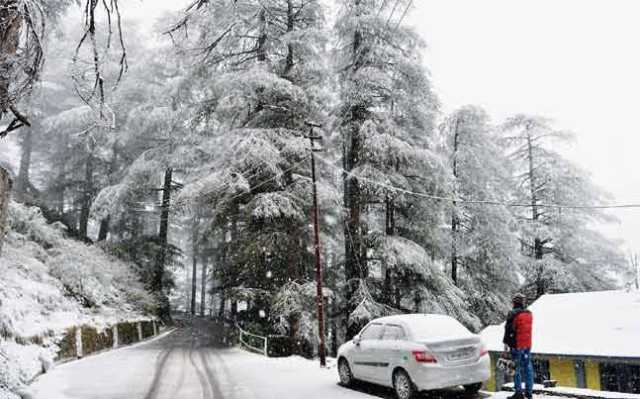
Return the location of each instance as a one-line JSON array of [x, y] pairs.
[[23, 180], [203, 285], [10, 24], [222, 264], [290, 25], [538, 250], [387, 287], [87, 196], [194, 257], [104, 223], [262, 39], [355, 269], [5, 189], [534, 201], [157, 283]]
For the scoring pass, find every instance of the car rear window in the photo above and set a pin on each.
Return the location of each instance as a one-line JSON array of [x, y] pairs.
[[436, 328], [392, 333]]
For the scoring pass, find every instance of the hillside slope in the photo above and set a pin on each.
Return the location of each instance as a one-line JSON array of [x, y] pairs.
[[51, 283]]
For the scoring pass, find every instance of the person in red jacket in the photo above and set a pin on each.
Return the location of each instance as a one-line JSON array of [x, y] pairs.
[[517, 338]]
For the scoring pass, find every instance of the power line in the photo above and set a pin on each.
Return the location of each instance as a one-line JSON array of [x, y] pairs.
[[476, 202]]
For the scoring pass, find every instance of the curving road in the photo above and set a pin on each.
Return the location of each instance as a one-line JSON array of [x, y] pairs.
[[196, 362], [192, 362]]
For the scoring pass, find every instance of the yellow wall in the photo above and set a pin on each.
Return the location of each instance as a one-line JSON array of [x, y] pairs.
[[563, 371], [592, 373], [490, 385]]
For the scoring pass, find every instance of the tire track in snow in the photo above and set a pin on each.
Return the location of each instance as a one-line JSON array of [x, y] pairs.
[[181, 377], [214, 384], [204, 387], [163, 356]]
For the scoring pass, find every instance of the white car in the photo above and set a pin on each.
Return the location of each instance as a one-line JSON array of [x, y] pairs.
[[413, 353]]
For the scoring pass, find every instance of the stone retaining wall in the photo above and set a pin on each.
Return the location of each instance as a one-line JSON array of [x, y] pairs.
[[80, 341]]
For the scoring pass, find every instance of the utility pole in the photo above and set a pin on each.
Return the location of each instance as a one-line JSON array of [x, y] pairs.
[[455, 221], [316, 231], [158, 273], [637, 273]]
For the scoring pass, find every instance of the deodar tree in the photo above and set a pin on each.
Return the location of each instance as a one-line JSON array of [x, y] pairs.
[[556, 222], [484, 251], [386, 119], [258, 81]]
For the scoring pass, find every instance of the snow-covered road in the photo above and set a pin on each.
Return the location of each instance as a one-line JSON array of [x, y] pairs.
[[193, 363]]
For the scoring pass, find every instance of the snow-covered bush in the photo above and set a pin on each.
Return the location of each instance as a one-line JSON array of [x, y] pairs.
[[51, 283], [294, 311]]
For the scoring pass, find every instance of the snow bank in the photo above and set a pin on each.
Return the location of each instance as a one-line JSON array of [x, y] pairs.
[[51, 283], [577, 392]]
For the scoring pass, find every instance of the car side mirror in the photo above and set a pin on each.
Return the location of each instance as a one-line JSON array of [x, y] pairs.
[[356, 340]]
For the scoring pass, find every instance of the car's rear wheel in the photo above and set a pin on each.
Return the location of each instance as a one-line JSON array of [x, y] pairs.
[[403, 385], [346, 376], [472, 389]]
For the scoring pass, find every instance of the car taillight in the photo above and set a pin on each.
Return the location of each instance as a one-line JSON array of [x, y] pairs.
[[424, 357]]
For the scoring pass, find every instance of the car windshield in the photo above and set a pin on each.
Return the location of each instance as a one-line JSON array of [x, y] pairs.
[[436, 328]]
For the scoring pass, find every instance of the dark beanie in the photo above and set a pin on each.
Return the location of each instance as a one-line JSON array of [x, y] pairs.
[[519, 300]]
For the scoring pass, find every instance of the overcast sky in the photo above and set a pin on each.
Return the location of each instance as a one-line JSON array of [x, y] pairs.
[[576, 61]]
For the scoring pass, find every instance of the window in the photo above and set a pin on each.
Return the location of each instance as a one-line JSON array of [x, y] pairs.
[[393, 333], [372, 331], [620, 377]]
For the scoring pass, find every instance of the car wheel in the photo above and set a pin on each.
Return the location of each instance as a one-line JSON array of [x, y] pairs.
[[344, 371], [403, 386], [472, 389]]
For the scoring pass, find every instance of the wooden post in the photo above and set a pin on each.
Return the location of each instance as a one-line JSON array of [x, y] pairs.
[[115, 336], [155, 328], [139, 325], [266, 347], [5, 188], [79, 353]]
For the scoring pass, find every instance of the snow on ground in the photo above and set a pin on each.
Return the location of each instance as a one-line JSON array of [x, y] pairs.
[[579, 392], [45, 277], [190, 364], [189, 372]]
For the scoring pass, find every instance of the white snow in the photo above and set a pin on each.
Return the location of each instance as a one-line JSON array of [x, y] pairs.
[[238, 374], [580, 392], [605, 323], [41, 271], [232, 373]]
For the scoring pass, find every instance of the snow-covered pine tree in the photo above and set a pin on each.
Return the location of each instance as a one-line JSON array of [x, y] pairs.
[[565, 251], [485, 257], [386, 118], [259, 81]]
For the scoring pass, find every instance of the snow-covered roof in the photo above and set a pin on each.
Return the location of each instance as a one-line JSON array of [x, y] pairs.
[[604, 323]]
